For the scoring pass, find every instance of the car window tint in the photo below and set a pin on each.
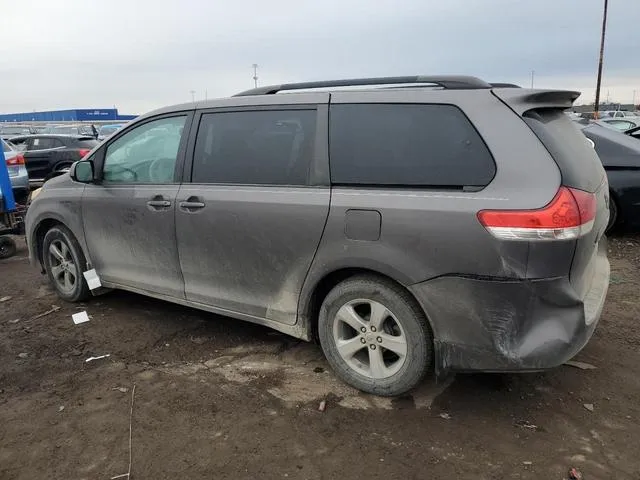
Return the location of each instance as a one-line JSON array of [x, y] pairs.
[[272, 147], [412, 145], [57, 143], [145, 154]]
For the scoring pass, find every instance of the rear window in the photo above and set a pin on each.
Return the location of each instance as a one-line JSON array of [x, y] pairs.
[[407, 145], [579, 165], [5, 147]]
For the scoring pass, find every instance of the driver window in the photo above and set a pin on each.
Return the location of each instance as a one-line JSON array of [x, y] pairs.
[[146, 154]]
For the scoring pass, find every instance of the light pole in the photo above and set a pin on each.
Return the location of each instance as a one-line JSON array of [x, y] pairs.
[[633, 102], [193, 95], [599, 81], [533, 72], [255, 75]]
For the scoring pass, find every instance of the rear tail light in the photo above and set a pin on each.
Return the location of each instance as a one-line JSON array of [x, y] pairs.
[[569, 215], [17, 160], [83, 152]]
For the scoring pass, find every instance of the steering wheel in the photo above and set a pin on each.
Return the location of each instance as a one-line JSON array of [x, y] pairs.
[[161, 170], [117, 171]]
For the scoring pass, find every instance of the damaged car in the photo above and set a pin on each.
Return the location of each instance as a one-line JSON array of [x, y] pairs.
[[408, 229]]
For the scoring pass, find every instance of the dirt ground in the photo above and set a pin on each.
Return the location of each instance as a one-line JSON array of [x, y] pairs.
[[218, 398]]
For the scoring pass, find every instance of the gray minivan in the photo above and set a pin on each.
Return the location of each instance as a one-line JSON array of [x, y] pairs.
[[409, 225]]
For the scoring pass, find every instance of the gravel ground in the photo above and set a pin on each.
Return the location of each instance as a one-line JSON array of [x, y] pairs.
[[218, 398]]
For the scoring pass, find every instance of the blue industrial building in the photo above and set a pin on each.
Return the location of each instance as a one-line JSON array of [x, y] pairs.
[[75, 115]]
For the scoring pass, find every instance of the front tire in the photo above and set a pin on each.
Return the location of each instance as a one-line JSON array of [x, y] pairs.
[[64, 263], [374, 335], [7, 247]]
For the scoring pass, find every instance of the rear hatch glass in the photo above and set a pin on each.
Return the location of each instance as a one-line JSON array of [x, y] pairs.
[[579, 165], [580, 168]]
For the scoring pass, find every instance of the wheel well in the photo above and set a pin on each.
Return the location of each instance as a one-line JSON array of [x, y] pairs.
[[327, 283], [613, 200], [41, 230]]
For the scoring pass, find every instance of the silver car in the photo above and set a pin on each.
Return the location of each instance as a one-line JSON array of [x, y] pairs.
[[17, 172], [407, 230]]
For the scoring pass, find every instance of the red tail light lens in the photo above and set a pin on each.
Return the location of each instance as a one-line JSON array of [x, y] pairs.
[[17, 160], [83, 152], [569, 215]]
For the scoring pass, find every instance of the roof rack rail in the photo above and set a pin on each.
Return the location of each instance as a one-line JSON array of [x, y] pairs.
[[449, 82], [505, 85]]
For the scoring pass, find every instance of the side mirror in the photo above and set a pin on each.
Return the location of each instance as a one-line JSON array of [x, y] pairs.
[[82, 171]]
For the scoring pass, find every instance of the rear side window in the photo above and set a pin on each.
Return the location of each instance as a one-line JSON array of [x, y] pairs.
[[42, 143], [272, 147], [579, 165], [412, 145]]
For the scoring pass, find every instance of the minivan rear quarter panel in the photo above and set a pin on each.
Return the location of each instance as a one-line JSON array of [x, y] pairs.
[[431, 241]]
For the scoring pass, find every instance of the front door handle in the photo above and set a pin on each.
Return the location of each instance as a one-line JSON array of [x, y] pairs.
[[159, 203], [192, 204]]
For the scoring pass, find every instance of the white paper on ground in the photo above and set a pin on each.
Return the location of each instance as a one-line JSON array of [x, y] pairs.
[[91, 359], [93, 281], [80, 317]]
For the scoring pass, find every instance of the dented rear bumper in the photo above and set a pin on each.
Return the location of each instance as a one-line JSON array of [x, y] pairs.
[[511, 325]]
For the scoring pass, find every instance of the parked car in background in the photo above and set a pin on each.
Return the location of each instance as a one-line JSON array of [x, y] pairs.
[[633, 132], [17, 172], [47, 152], [415, 236], [620, 156], [617, 114], [622, 124], [106, 131], [8, 131], [85, 130]]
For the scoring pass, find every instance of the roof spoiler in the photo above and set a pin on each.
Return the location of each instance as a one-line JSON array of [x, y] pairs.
[[522, 100]]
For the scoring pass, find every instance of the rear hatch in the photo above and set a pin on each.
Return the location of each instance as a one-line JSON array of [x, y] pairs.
[[579, 165]]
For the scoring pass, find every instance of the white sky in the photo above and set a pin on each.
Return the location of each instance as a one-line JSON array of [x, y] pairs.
[[143, 54]]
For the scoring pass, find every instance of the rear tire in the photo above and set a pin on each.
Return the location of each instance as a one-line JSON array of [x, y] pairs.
[[64, 263], [613, 215], [375, 336], [7, 247]]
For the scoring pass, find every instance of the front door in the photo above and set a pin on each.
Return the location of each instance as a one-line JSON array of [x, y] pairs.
[[249, 223], [129, 217]]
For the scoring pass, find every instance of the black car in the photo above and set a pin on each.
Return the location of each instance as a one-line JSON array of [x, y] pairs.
[[620, 156], [634, 132], [45, 154]]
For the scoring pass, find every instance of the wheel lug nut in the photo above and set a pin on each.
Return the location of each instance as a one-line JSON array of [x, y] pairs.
[[373, 347], [362, 340], [373, 329], [363, 329], [379, 339]]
